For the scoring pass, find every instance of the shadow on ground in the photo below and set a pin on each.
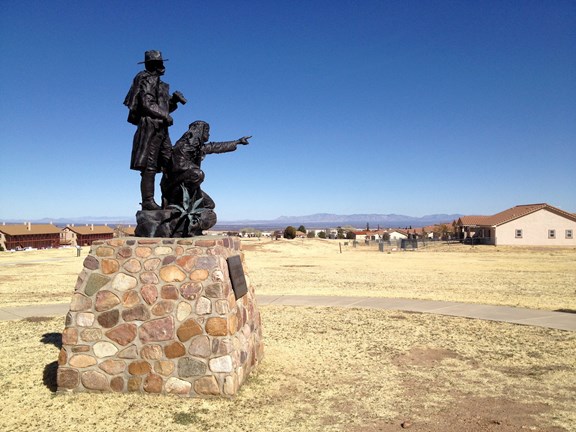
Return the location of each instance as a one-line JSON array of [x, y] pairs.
[[51, 369]]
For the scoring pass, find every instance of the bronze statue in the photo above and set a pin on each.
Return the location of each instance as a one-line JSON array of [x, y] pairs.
[[150, 105], [183, 176], [186, 209]]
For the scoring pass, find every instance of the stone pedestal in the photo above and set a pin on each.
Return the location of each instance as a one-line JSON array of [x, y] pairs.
[[156, 315]]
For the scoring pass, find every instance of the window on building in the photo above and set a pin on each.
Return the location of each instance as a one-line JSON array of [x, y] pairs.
[[569, 234], [518, 233], [551, 234]]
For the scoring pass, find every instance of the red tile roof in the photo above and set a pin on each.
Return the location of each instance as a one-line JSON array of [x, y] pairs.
[[511, 214]]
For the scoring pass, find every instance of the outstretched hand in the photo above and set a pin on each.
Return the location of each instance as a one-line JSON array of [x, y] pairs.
[[244, 140]]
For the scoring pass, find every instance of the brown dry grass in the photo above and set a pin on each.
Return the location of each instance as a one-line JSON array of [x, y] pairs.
[[327, 369], [538, 278]]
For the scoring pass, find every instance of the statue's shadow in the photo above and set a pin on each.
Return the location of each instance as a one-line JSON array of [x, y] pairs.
[[51, 369]]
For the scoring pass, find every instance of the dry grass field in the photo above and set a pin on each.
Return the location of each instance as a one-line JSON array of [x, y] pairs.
[[330, 369], [535, 278]]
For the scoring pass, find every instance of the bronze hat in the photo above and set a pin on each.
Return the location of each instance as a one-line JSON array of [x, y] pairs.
[[152, 55]]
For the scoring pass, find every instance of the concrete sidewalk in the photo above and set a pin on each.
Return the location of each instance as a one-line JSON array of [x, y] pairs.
[[531, 317]]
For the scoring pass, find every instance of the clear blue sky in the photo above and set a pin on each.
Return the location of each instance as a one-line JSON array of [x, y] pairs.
[[372, 106]]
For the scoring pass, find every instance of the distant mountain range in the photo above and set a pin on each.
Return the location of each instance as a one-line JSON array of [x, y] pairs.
[[319, 220], [328, 220]]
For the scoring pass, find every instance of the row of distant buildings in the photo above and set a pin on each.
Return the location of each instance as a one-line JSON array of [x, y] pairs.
[[523, 225], [43, 236]]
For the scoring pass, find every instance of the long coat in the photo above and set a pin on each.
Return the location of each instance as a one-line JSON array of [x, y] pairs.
[[149, 103]]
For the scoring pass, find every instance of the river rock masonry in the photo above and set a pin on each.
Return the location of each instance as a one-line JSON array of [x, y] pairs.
[[155, 315]]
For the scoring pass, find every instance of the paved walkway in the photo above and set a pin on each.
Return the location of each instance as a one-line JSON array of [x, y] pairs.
[[532, 317]]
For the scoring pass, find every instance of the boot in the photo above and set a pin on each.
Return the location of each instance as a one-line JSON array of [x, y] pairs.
[[147, 190]]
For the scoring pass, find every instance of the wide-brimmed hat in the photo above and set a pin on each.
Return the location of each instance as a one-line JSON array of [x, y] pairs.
[[152, 55]]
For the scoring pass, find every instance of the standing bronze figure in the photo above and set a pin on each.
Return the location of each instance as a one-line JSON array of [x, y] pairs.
[[150, 105]]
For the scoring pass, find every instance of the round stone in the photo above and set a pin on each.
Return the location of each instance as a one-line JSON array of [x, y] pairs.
[[113, 367], [80, 303], [132, 266], [67, 378], [163, 307], [162, 250], [151, 352], [216, 326], [84, 319], [122, 334], [172, 273], [82, 361], [174, 350], [149, 293], [109, 319], [203, 306], [106, 300], [153, 384], [221, 364], [117, 384], [177, 386], [91, 262], [143, 251], [139, 368], [123, 282], [70, 336], [157, 330], [124, 252], [207, 386], [104, 251], [109, 266], [183, 310], [190, 290], [199, 275], [200, 347], [152, 264], [104, 349], [130, 299], [91, 334], [149, 278], [169, 292], [189, 367], [187, 262], [188, 330], [164, 367]]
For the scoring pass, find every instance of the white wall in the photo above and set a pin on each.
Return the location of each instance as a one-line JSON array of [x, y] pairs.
[[535, 228]]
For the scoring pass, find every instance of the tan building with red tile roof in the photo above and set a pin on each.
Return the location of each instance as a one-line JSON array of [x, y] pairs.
[[526, 225]]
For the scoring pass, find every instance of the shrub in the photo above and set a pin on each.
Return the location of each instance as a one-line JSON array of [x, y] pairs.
[[290, 232]]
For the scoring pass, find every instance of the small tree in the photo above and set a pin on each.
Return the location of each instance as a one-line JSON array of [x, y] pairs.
[[302, 228], [322, 235], [290, 232], [310, 234], [350, 235]]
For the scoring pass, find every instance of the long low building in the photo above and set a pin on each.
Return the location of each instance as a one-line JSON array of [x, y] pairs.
[[27, 235], [85, 235], [523, 225]]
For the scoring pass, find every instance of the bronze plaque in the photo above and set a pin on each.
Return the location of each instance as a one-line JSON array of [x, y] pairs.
[[237, 276]]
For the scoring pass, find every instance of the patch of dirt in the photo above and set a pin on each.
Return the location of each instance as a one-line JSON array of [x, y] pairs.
[[472, 414], [425, 357]]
